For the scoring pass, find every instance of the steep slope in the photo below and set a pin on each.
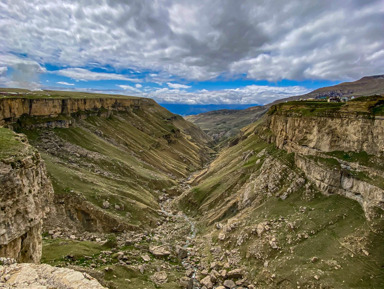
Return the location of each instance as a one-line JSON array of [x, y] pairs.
[[113, 161], [25, 198], [286, 208], [108, 158]]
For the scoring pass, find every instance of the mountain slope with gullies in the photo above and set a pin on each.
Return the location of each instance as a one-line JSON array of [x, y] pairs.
[[223, 125], [114, 163], [296, 200], [108, 157]]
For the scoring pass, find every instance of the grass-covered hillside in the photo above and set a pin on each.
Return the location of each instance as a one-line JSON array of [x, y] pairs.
[[12, 145], [109, 170], [368, 106], [258, 211]]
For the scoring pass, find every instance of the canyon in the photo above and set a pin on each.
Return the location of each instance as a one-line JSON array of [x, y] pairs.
[[125, 192]]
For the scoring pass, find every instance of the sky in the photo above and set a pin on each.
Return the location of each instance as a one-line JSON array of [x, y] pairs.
[[190, 52]]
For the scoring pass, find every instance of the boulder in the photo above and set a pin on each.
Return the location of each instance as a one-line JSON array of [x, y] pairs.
[[159, 277], [106, 204], [207, 282], [229, 284], [184, 281], [181, 252], [236, 273], [159, 251], [44, 276]]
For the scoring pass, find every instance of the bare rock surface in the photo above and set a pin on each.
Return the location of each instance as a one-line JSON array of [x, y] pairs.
[[26, 195], [43, 276]]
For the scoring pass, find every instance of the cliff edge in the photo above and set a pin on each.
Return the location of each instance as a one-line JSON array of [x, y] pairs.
[[25, 197], [339, 146]]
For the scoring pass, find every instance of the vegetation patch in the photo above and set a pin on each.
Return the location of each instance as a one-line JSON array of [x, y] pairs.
[[12, 145]]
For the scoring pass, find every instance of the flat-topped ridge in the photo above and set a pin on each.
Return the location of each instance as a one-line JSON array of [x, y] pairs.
[[13, 108]]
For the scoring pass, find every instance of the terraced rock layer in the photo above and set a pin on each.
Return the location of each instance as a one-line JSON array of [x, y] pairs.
[[26, 196]]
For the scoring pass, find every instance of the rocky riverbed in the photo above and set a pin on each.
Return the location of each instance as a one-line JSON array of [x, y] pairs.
[[168, 256]]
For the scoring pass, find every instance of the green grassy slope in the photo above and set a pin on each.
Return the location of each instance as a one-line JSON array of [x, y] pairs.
[[366, 106], [12, 145], [317, 241], [126, 159]]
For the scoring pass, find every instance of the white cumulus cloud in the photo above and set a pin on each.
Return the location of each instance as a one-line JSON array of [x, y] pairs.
[[65, 83], [84, 75], [129, 88], [251, 94], [178, 86]]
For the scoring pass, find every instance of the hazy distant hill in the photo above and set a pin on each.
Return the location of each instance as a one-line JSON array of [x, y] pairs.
[[221, 124]]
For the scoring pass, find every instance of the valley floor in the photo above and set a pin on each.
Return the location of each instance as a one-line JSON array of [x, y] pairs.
[[164, 256]]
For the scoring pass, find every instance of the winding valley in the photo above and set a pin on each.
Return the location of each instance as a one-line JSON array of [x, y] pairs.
[[140, 200]]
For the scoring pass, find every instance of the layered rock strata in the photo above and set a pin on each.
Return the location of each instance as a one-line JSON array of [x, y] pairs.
[[25, 197], [12, 109], [314, 138], [343, 133]]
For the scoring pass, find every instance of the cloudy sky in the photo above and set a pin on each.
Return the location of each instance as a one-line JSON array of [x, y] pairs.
[[226, 51]]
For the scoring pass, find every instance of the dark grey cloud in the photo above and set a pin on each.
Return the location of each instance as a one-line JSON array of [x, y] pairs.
[[200, 40]]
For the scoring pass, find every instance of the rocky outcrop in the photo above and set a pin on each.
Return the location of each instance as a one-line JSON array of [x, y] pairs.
[[44, 276], [75, 212], [342, 182], [313, 136], [25, 197], [343, 133], [12, 109]]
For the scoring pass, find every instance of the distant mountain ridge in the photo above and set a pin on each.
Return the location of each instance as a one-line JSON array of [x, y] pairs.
[[368, 85], [192, 109], [223, 124]]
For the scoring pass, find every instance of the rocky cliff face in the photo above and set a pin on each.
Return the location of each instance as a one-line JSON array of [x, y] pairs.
[[296, 200], [109, 158], [25, 197], [324, 137], [12, 109], [343, 182], [335, 133]]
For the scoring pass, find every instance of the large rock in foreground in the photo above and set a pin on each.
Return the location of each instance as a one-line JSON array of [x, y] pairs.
[[44, 276]]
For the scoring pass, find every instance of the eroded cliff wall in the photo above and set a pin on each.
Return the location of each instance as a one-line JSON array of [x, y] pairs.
[[340, 147], [326, 134], [108, 157], [13, 108], [25, 197]]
